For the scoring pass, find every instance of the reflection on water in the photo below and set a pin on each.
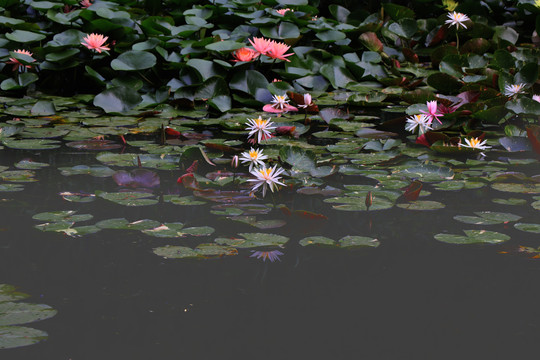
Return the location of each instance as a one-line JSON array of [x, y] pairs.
[[412, 297]]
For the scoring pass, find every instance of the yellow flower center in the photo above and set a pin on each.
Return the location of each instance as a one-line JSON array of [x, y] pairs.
[[254, 154]]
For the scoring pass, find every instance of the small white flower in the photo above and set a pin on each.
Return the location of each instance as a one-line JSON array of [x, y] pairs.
[[421, 121], [457, 19], [536, 97], [514, 89], [475, 143], [253, 157], [279, 102], [267, 178], [260, 127]]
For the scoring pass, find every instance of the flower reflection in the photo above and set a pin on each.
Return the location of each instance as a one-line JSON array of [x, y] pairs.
[[270, 255]]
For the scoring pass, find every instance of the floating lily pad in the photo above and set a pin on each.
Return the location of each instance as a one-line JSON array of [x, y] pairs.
[[122, 223], [252, 240], [182, 200], [524, 188], [94, 170], [202, 251], [358, 241], [31, 144], [422, 205], [66, 215], [94, 144], [174, 230], [533, 228], [12, 313], [129, 198], [16, 336], [9, 293], [488, 218], [261, 224], [18, 176], [317, 240], [359, 204], [11, 187], [474, 237], [510, 201], [30, 165], [428, 172]]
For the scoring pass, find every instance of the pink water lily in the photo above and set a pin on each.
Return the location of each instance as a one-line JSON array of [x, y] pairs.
[[245, 54], [277, 51], [432, 112], [17, 64], [95, 42], [261, 45], [85, 4]]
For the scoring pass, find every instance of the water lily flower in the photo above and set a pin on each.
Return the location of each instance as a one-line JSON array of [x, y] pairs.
[[283, 11], [420, 121], [267, 178], [279, 104], [85, 4], [261, 128], [245, 54], [277, 50], [536, 97], [476, 143], [432, 112], [270, 255], [457, 19], [253, 157], [514, 89], [95, 42], [307, 101], [261, 45], [17, 64]]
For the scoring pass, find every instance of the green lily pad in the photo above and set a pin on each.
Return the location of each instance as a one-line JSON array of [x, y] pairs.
[[122, 223], [201, 252], [93, 170], [31, 144], [9, 293], [16, 336], [474, 237], [533, 228], [359, 204], [18, 176], [510, 201], [488, 218], [427, 172], [523, 188], [12, 313], [183, 200], [252, 240], [30, 165], [358, 241], [129, 198], [11, 187], [66, 215], [422, 205], [317, 240]]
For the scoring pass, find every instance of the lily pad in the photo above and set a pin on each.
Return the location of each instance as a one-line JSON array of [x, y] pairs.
[[31, 144], [510, 201], [9, 293], [422, 205], [533, 228], [317, 240], [202, 251], [66, 215], [251, 240], [474, 237], [16, 336], [12, 313], [129, 198], [488, 218], [523, 188], [358, 241], [93, 170]]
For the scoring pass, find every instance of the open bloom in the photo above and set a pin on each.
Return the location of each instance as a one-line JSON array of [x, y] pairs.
[[95, 42], [253, 157], [283, 11], [432, 112], [261, 128], [514, 89], [270, 255], [260, 44], [245, 54], [277, 50], [17, 64], [475, 143], [457, 19], [420, 121], [279, 104], [536, 97], [267, 178]]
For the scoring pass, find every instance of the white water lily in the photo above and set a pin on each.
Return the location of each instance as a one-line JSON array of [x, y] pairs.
[[253, 157], [457, 19], [419, 120], [475, 143], [266, 178], [514, 89]]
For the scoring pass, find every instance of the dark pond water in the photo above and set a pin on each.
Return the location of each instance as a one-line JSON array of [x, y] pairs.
[[412, 297]]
